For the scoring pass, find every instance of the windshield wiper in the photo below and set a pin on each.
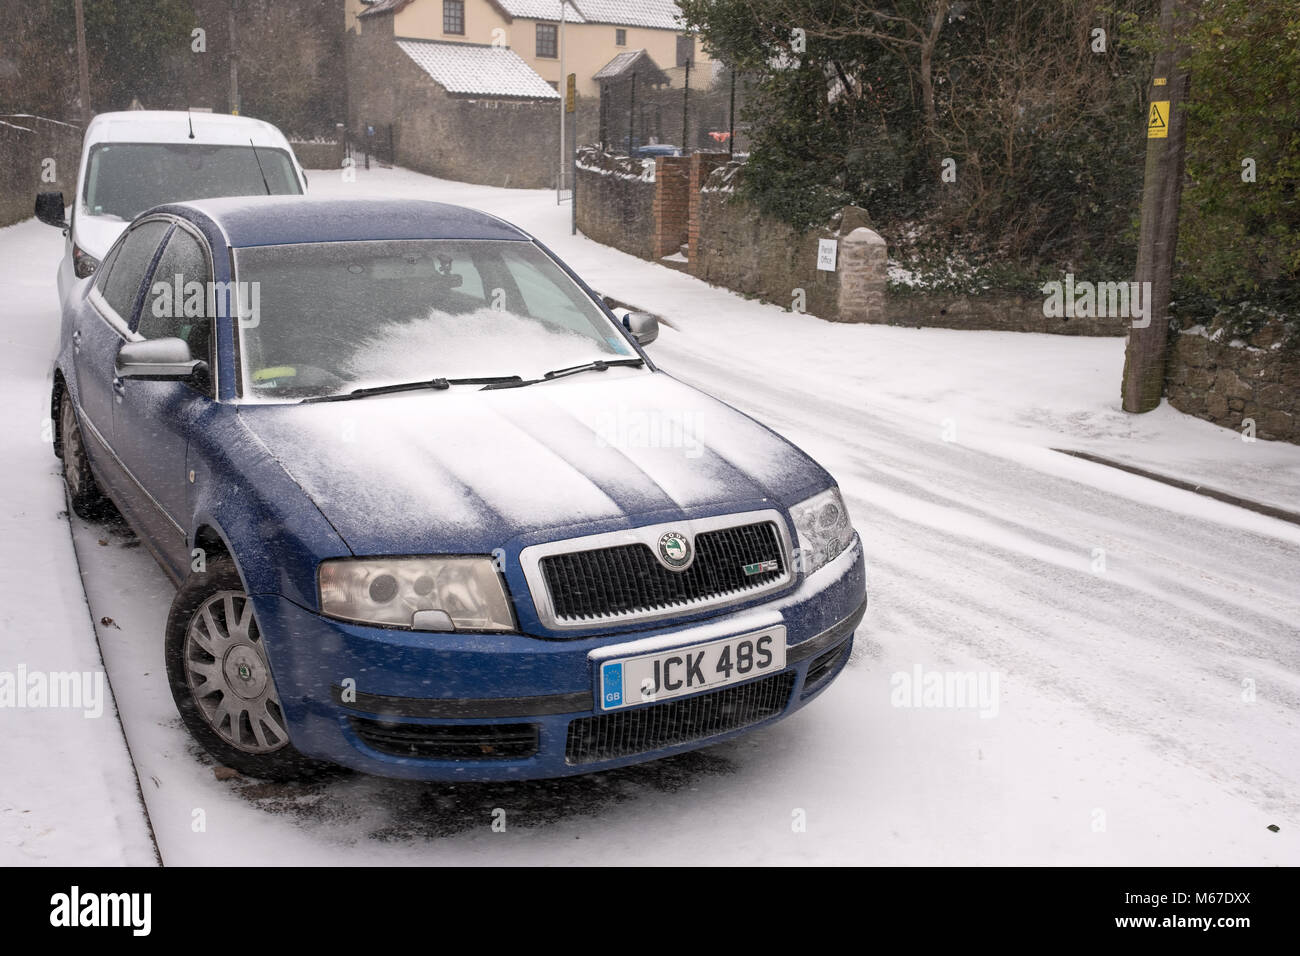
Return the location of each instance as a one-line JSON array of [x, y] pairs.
[[498, 381], [599, 365]]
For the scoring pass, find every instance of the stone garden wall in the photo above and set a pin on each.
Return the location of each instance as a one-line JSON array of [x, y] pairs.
[[1227, 382]]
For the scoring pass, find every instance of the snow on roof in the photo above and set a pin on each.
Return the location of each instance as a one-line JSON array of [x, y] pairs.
[[382, 6], [631, 61], [173, 126], [540, 10], [661, 14], [479, 70]]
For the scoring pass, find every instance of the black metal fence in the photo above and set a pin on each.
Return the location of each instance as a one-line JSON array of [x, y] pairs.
[[686, 107], [372, 143]]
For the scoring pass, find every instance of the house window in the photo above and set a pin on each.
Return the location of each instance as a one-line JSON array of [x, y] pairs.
[[685, 50], [546, 40], [620, 38], [453, 17]]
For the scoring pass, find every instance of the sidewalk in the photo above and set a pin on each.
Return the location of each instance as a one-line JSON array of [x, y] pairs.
[[68, 794]]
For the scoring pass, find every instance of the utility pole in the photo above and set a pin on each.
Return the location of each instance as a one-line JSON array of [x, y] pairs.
[[571, 104], [559, 167], [83, 64], [731, 118], [1144, 357], [686, 99], [234, 64], [631, 115]]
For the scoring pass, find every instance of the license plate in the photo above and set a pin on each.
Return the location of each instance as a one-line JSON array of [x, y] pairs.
[[663, 675]]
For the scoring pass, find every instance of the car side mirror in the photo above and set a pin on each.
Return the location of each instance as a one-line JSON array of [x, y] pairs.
[[157, 360], [49, 209], [643, 326]]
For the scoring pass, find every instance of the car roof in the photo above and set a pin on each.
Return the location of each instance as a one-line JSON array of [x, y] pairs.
[[277, 220], [173, 126]]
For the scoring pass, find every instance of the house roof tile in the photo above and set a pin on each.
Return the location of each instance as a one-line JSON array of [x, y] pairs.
[[478, 70]]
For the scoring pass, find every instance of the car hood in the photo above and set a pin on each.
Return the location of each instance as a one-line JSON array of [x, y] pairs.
[[96, 234], [468, 471]]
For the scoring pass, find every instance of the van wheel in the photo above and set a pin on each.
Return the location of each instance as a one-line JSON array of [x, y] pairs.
[[221, 679], [84, 496]]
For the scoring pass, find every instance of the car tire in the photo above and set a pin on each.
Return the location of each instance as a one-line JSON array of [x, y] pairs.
[[221, 679], [84, 497]]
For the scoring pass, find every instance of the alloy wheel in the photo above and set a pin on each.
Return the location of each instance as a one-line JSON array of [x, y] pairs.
[[228, 675]]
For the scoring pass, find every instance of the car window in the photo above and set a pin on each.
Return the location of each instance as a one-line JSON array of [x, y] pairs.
[[543, 297], [177, 302], [135, 255], [327, 317]]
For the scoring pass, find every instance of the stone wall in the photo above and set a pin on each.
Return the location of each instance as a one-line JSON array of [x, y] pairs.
[[616, 201], [319, 155], [730, 244], [1228, 382], [997, 313], [733, 246], [25, 146], [496, 141]]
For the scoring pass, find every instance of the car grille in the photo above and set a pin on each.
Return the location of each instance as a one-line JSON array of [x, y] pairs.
[[628, 732], [446, 741], [627, 579]]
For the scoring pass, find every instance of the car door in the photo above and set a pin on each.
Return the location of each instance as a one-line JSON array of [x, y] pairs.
[[102, 323], [153, 420]]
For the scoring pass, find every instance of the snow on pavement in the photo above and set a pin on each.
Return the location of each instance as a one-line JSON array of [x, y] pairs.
[[67, 790], [1142, 640]]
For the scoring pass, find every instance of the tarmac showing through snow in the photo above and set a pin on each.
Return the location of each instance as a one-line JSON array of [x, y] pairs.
[[1132, 650]]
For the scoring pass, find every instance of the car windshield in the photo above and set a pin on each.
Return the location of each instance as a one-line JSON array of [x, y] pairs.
[[125, 179], [328, 318]]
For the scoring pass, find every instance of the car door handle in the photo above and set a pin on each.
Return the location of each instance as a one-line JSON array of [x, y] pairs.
[[76, 341]]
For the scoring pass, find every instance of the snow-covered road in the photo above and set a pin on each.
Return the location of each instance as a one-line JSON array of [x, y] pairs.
[[1144, 641]]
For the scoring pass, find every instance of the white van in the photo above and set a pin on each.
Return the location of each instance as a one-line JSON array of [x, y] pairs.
[[135, 160]]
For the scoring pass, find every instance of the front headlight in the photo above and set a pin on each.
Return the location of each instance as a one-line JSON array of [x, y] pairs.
[[822, 523], [429, 594], [83, 263]]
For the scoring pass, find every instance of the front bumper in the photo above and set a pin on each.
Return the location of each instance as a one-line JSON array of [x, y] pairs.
[[514, 707]]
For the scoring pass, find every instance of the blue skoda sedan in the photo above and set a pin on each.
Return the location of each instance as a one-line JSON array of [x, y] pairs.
[[431, 509]]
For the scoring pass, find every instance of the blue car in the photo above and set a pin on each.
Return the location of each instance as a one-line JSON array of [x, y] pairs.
[[431, 510]]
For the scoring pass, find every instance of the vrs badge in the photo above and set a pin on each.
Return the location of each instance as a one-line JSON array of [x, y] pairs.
[[761, 567], [675, 549]]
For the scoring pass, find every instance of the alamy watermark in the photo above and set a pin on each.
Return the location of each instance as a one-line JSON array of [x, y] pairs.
[[128, 910], [951, 690], [1084, 300], [21, 689], [627, 427], [206, 300]]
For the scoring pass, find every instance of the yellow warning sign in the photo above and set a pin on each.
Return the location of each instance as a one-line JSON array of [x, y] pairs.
[[1158, 120]]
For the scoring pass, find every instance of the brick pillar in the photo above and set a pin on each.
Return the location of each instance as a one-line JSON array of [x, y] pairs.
[[671, 204], [702, 164]]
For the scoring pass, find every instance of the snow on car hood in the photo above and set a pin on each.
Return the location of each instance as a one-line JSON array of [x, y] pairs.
[[96, 234], [467, 470]]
